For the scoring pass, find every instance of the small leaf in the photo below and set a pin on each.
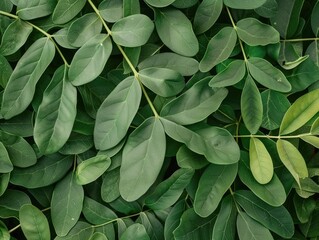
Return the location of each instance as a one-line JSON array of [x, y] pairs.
[[300, 112], [219, 48], [268, 9], [142, 160], [315, 127], [6, 71], [116, 114], [131, 7], [89, 61], [15, 37], [173, 219], [4, 232], [292, 159], [28, 10], [153, 226], [313, 140], [175, 31], [188, 159], [89, 170], [244, 4], [260, 161], [11, 202], [110, 185], [159, 4], [314, 20], [21, 86], [254, 33], [111, 11], [132, 31], [266, 74], [134, 232], [98, 236], [212, 185], [251, 106], [33, 223], [5, 162], [66, 10]]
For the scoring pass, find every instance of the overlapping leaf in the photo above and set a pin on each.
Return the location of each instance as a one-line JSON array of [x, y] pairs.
[[64, 11]]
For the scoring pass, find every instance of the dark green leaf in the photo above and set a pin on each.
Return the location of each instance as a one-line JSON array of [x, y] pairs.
[[173, 219], [304, 208], [6, 71], [131, 7], [11, 202], [66, 10], [314, 19], [153, 226], [188, 159], [110, 185], [21, 125], [80, 231], [268, 9], [5, 163], [244, 4]]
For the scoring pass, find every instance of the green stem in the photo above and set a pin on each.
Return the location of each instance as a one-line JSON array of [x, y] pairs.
[[275, 137], [14, 228], [9, 15], [300, 40]]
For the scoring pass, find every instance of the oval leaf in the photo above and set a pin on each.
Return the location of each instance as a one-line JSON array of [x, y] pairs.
[[111, 11], [66, 10], [244, 4], [6, 71], [162, 3], [29, 10], [135, 231], [5, 162]]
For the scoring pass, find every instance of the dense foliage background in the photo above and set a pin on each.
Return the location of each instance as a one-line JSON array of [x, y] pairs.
[[171, 119]]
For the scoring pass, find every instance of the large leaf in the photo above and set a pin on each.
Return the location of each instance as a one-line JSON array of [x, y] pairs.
[[66, 204], [15, 37], [142, 159], [195, 104], [66, 10], [116, 114], [244, 4], [21, 86], [212, 185], [251, 106], [175, 31], [300, 112], [132, 31], [292, 159], [219, 48], [89, 61], [153, 226], [11, 202], [33, 223], [254, 33]]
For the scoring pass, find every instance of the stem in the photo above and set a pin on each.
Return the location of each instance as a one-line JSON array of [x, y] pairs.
[[300, 40], [9, 15], [275, 137], [15, 228]]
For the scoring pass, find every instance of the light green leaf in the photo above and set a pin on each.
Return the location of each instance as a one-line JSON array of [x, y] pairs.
[[110, 185], [162, 81], [6, 5], [244, 4], [194, 105], [266, 74], [313, 140], [173, 219], [231, 75], [56, 113], [28, 10], [116, 113], [300, 112], [251, 106], [260, 161], [184, 65], [111, 10], [213, 184], [98, 236], [134, 232], [5, 162], [175, 31], [15, 37], [159, 4], [132, 31], [4, 182], [142, 160], [33, 223], [276, 219], [48, 170], [66, 204], [84, 28], [207, 14], [254, 32], [21, 86], [153, 226], [292, 159], [89, 61], [66, 10], [248, 228], [219, 48], [315, 127], [4, 232], [91, 169], [184, 3], [168, 192], [6, 71]]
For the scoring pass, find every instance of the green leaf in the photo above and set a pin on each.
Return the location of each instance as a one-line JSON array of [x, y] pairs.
[[304, 208], [184, 3], [98, 236], [276, 219], [111, 10], [6, 71], [81, 230], [268, 9], [21, 125], [15, 37], [267, 75], [33, 223], [4, 232], [162, 81], [77, 144], [300, 112], [315, 127], [132, 31], [248, 228], [213, 184], [6, 5], [66, 204], [4, 182], [251, 106], [66, 10], [188, 159], [142, 160], [231, 75], [314, 20], [244, 4], [90, 169], [313, 140], [84, 28], [21, 86], [89, 61], [135, 231], [206, 15], [175, 31], [56, 113], [153, 226], [173, 219], [110, 185], [253, 32], [11, 202], [28, 10], [184, 65], [260, 161], [292, 159], [131, 7], [116, 114], [168, 192], [194, 105], [48, 170], [5, 162], [219, 48], [159, 4], [225, 224]]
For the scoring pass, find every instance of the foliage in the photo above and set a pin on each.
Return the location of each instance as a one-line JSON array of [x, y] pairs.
[[171, 119]]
